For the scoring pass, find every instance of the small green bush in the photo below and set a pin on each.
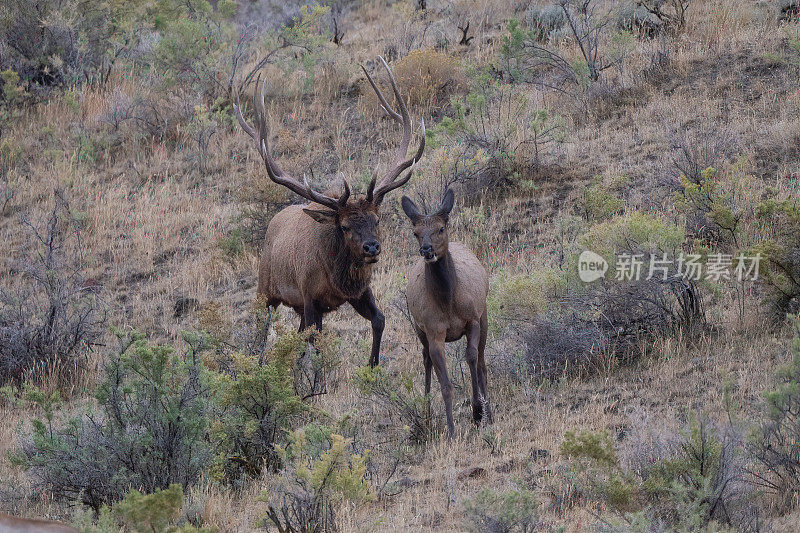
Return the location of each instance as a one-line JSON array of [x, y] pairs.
[[780, 255], [139, 513], [145, 513], [595, 446], [523, 296], [546, 22], [257, 402], [233, 243], [601, 202], [709, 208], [697, 485], [496, 129], [633, 233], [397, 395], [596, 461], [319, 476], [694, 485], [775, 443], [514, 510]]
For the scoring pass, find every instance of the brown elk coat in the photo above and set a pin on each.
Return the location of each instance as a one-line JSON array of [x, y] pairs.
[[446, 294], [467, 301], [292, 263], [14, 524]]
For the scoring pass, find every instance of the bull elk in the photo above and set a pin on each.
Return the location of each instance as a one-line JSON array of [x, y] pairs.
[[318, 256], [446, 294], [13, 524]]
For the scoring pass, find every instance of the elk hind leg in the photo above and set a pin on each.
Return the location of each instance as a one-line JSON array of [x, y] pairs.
[[473, 342], [487, 411]]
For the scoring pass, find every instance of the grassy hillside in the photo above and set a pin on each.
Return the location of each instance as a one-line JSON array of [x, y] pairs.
[[130, 199]]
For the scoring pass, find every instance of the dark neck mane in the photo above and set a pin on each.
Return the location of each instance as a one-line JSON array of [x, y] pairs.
[[440, 278], [348, 274]]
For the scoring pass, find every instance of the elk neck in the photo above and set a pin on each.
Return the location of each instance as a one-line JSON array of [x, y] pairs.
[[440, 278], [350, 275]]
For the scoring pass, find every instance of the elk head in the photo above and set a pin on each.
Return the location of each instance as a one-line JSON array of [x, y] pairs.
[[355, 219], [430, 230]]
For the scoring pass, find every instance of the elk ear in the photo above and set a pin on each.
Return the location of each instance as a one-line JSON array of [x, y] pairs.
[[323, 216], [410, 208], [447, 204]]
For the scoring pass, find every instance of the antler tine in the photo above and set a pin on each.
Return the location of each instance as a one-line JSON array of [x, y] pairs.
[[262, 139], [388, 183], [320, 198], [345, 194], [384, 104], [395, 184], [238, 109], [404, 117], [371, 187]]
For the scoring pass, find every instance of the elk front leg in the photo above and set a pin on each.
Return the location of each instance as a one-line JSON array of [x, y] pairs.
[[437, 354], [365, 306], [312, 316], [426, 359]]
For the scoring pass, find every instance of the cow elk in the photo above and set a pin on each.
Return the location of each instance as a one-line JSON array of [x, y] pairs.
[[13, 524], [447, 290], [319, 256]]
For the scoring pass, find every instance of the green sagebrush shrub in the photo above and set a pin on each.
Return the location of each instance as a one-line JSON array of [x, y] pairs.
[[256, 404], [158, 512], [148, 431], [397, 395], [602, 202], [320, 475], [694, 485], [775, 443], [709, 207], [511, 511], [494, 133], [780, 265], [163, 418], [59, 43]]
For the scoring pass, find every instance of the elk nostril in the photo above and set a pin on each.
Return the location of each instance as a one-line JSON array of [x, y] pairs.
[[372, 248]]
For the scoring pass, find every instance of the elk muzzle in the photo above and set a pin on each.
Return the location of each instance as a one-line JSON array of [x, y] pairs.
[[371, 251], [427, 253]]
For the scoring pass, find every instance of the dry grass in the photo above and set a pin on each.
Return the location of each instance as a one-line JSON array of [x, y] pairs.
[[154, 222]]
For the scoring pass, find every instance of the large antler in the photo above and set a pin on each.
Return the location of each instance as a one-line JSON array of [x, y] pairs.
[[273, 170], [390, 182]]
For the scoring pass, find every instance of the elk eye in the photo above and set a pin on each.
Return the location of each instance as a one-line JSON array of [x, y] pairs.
[[346, 229], [441, 230]]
